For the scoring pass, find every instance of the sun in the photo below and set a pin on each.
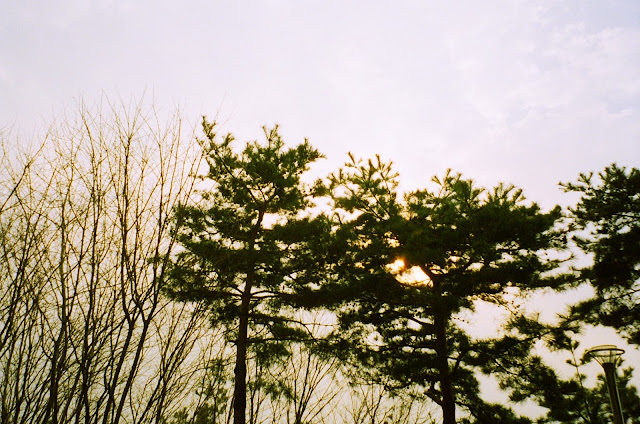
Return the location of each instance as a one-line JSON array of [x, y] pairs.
[[413, 276]]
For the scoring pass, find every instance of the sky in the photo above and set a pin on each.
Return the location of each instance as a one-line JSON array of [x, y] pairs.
[[521, 91]]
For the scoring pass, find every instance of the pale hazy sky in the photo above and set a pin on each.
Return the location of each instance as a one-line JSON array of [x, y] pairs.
[[528, 92], [522, 91]]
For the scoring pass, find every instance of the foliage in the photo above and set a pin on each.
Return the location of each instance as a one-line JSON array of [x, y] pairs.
[[104, 217], [253, 251], [524, 375], [413, 264], [607, 219]]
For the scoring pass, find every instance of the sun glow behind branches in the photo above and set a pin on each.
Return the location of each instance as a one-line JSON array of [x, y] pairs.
[[413, 276]]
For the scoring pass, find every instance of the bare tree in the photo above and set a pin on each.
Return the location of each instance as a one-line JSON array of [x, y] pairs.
[[371, 403], [85, 335], [308, 381]]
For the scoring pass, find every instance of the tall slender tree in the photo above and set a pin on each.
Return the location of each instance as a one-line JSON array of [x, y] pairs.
[[415, 263], [250, 244]]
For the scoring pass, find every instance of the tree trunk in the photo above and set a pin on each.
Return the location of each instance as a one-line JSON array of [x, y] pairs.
[[240, 371], [440, 321], [240, 384]]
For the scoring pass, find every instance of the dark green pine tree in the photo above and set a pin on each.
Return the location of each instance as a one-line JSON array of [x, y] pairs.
[[607, 218], [251, 246], [414, 264]]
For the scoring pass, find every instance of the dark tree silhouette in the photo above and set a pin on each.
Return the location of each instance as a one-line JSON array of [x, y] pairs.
[[607, 219], [413, 264], [251, 245]]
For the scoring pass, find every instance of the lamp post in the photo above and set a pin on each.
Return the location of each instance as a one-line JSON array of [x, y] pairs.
[[607, 356]]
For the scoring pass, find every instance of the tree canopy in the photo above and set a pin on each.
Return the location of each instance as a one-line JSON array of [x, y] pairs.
[[607, 221], [415, 263], [114, 209], [250, 244]]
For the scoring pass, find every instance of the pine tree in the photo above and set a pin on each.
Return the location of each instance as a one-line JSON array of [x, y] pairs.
[[413, 264], [251, 245]]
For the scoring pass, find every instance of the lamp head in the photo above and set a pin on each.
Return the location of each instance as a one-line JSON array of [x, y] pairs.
[[605, 354]]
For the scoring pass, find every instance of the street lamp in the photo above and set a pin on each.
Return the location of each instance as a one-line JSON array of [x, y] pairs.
[[608, 356]]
